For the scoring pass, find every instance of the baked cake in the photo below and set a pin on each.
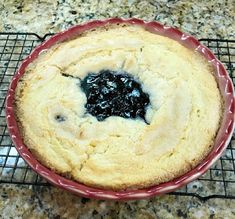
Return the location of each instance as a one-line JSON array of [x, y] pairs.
[[119, 107]]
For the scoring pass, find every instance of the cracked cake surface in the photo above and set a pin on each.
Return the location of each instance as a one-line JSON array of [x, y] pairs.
[[172, 132]]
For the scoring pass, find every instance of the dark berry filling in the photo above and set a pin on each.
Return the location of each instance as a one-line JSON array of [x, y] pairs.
[[60, 118], [110, 93]]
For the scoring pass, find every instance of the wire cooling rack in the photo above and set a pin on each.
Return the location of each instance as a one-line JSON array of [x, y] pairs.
[[217, 182]]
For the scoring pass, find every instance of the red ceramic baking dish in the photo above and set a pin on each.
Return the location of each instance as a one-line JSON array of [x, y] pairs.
[[223, 137]]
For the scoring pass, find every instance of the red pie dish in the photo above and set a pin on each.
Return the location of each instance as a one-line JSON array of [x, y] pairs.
[[161, 92]]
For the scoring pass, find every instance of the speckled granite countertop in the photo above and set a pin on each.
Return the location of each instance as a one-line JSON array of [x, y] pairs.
[[204, 19], [44, 202]]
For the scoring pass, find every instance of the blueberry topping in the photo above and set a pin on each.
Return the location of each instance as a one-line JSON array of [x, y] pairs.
[[110, 93], [60, 118]]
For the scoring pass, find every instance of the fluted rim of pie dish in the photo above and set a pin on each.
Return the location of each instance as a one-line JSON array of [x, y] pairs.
[[221, 141]]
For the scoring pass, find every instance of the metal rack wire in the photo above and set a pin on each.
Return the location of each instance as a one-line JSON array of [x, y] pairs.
[[218, 182]]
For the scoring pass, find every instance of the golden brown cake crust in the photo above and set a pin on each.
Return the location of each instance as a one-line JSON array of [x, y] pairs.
[[117, 153]]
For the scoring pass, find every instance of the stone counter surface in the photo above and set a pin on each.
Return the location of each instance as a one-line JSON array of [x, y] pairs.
[[49, 202], [203, 19]]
